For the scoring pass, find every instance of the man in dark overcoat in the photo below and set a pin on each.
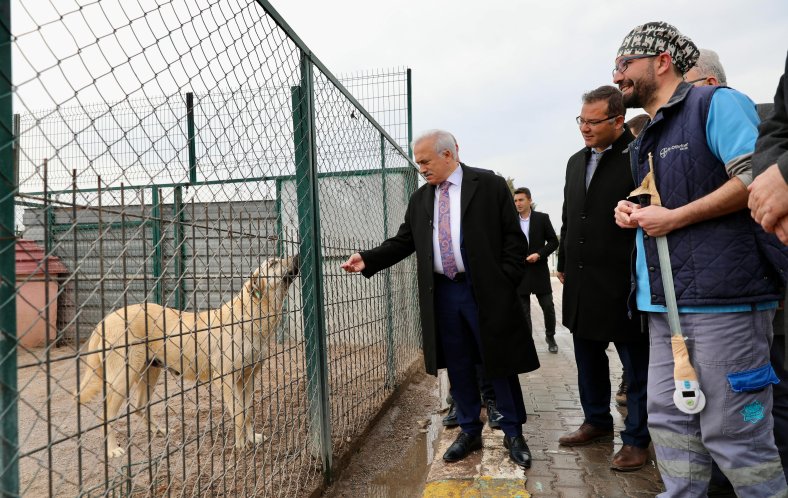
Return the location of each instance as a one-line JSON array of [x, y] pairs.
[[463, 227], [542, 241], [768, 200], [594, 258]]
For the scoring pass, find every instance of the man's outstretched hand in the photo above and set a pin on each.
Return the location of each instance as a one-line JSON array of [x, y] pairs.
[[354, 264]]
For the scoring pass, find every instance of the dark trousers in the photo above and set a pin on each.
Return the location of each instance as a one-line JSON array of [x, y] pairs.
[[548, 309], [457, 324], [485, 388], [593, 379]]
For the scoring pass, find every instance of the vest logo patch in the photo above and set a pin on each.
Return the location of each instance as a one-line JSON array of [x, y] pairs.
[[753, 412], [664, 152]]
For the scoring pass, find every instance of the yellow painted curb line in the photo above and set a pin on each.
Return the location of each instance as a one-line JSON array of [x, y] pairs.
[[482, 487]]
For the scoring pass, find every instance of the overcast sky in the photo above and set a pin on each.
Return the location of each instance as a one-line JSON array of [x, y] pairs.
[[506, 76]]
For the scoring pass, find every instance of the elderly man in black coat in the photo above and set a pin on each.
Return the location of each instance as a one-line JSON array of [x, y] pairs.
[[463, 227], [594, 258]]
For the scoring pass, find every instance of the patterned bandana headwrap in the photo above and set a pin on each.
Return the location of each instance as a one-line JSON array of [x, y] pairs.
[[654, 38]]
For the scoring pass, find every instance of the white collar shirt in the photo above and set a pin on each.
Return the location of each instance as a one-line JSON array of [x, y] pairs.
[[593, 162], [455, 190], [525, 225]]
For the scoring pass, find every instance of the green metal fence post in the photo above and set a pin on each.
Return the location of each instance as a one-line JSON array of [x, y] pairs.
[[9, 436], [49, 214], [17, 127], [410, 178], [279, 229], [156, 238], [311, 267], [391, 367], [410, 118], [191, 138], [180, 248], [284, 325]]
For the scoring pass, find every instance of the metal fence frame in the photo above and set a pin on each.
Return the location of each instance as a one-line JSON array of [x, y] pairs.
[[306, 179]]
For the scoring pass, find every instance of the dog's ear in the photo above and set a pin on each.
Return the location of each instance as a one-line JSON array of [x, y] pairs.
[[256, 284]]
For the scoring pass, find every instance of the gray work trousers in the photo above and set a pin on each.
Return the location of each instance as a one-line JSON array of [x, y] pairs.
[[735, 428]]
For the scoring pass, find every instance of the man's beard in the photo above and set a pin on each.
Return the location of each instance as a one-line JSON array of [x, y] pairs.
[[643, 92]]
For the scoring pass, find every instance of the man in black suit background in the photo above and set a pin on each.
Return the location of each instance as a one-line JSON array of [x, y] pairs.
[[594, 264], [542, 241], [463, 227]]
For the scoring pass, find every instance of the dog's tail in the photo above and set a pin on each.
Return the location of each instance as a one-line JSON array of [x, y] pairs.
[[93, 373]]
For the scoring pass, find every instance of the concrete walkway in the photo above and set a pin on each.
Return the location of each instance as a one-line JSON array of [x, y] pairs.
[[553, 405]]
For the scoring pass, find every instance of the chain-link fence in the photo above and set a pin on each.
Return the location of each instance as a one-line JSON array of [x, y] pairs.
[[180, 181]]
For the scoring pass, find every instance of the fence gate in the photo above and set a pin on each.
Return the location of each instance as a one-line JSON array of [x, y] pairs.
[[179, 182]]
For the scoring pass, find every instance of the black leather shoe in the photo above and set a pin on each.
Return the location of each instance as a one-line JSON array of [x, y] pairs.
[[462, 447], [494, 417], [518, 450], [551, 345], [450, 420]]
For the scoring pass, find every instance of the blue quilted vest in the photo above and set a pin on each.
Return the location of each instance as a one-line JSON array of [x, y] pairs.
[[714, 262]]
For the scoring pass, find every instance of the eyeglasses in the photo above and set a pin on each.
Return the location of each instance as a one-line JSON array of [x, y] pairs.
[[692, 82], [593, 122], [623, 64]]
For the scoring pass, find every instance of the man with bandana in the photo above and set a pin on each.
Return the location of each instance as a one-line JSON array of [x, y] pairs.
[[701, 140]]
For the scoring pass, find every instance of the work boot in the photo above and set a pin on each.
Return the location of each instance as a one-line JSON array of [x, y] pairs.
[[621, 394]]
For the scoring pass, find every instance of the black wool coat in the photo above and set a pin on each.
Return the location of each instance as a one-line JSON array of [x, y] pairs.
[[492, 247], [772, 144], [594, 253], [543, 240]]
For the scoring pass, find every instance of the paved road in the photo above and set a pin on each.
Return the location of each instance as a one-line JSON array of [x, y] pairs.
[[553, 405]]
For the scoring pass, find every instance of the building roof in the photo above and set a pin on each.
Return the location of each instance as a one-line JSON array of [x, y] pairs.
[[31, 260]]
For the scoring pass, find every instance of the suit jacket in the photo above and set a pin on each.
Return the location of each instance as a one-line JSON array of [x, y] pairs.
[[543, 240], [492, 246], [595, 254]]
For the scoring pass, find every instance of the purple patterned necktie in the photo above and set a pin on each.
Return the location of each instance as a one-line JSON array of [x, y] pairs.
[[444, 232]]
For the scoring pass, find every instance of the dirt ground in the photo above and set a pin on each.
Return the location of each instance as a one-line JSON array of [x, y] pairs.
[[62, 445], [63, 452], [391, 460]]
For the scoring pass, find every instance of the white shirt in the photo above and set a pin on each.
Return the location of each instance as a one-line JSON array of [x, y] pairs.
[[454, 219], [593, 162], [525, 225]]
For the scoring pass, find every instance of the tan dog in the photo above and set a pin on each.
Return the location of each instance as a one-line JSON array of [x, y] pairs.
[[228, 343]]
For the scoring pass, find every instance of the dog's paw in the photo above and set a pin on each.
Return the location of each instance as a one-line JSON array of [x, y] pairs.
[[258, 438], [116, 452]]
